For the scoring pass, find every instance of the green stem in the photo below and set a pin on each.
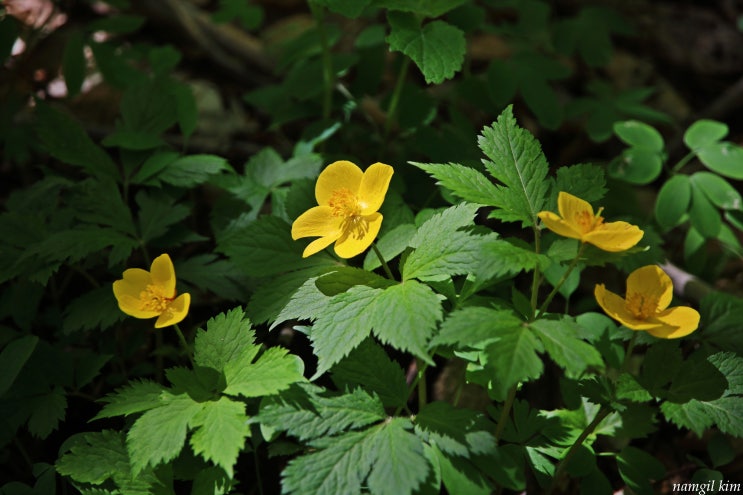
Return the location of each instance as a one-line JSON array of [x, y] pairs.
[[537, 275], [628, 353], [395, 99], [683, 162], [503, 419], [422, 385], [327, 61], [184, 343], [562, 280], [420, 375], [256, 460], [386, 267], [603, 413]]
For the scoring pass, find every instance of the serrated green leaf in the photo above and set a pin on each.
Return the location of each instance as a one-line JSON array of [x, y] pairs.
[[269, 301], [79, 314], [157, 213], [692, 415], [307, 412], [274, 370], [307, 303], [517, 161], [459, 432], [426, 8], [673, 201], [229, 337], [583, 180], [474, 326], [704, 132], [265, 248], [12, 359], [561, 341], [513, 357], [390, 245], [192, 170], [697, 379], [369, 367], [437, 48], [637, 468], [132, 398], [47, 410], [207, 272], [459, 475], [100, 202], [465, 182], [65, 139], [159, 434], [721, 317], [222, 427]]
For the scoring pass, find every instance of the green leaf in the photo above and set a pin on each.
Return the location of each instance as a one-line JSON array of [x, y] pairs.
[[513, 357], [390, 245], [459, 475], [704, 132], [117, 23], [637, 468], [721, 317], [219, 276], [637, 166], [426, 8], [639, 135], [73, 63], [718, 190], [459, 432], [47, 410], [12, 359], [79, 314], [306, 412], [228, 338], [583, 180], [697, 379], [274, 370], [673, 201], [307, 303], [703, 215], [66, 140], [562, 343], [369, 367], [187, 113], [437, 48], [222, 427], [516, 160], [385, 455], [474, 326], [157, 213], [192, 170], [265, 248], [159, 434], [277, 298], [724, 158], [465, 182], [133, 398]]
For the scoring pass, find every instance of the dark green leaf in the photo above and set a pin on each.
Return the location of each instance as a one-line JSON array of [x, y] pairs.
[[73, 63], [638, 468], [12, 359], [673, 201]]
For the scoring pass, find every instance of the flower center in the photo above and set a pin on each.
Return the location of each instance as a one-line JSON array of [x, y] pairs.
[[345, 204], [587, 221], [153, 298], [642, 306]]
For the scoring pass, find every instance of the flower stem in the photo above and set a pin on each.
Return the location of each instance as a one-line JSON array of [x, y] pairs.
[[603, 413], [185, 345], [503, 419], [386, 267], [562, 280], [537, 275], [683, 162], [395, 99]]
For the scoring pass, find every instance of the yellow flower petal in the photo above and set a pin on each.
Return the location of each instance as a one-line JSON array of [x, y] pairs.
[[558, 225], [338, 175], [318, 221], [163, 274], [675, 323], [614, 236], [318, 245], [132, 306], [176, 312], [653, 282], [572, 207], [349, 245], [616, 307], [134, 281], [373, 188]]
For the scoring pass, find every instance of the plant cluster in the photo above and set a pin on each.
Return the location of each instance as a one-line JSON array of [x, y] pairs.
[[457, 317]]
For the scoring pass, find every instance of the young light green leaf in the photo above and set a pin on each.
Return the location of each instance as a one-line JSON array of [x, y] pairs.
[[307, 412], [369, 367], [561, 341], [222, 427], [437, 48], [132, 398], [517, 161], [159, 434], [229, 337], [673, 201], [274, 370], [704, 132], [465, 182]]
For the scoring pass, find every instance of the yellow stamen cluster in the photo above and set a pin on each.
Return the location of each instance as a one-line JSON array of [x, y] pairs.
[[153, 298]]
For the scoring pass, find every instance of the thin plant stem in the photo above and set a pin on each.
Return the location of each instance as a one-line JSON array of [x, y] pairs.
[[628, 352], [683, 162], [257, 468], [386, 267], [562, 280], [418, 377], [537, 275], [422, 385], [503, 419], [184, 343], [603, 413], [395, 99]]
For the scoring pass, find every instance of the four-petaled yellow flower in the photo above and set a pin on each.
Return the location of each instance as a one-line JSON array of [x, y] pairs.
[[577, 221], [645, 307], [347, 214], [144, 294]]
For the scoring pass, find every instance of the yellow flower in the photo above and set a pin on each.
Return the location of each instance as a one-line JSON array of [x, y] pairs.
[[649, 292], [347, 214], [577, 221], [144, 294]]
